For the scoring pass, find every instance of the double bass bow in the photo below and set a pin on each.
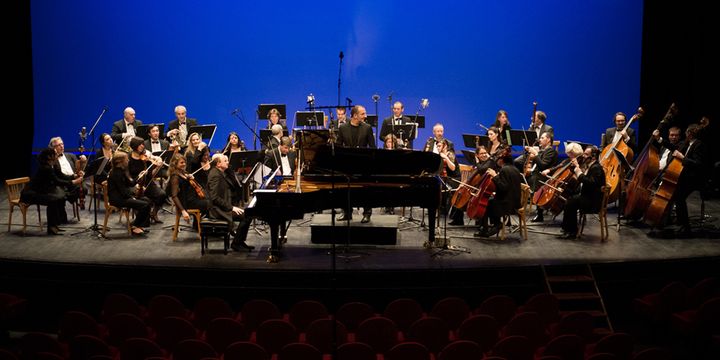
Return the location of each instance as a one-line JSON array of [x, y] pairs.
[[646, 169], [611, 164]]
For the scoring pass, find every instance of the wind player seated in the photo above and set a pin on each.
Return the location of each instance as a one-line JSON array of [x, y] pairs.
[[220, 190], [507, 196], [589, 198]]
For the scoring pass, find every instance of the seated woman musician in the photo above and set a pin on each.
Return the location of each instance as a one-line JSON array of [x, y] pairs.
[[392, 143], [106, 152], [502, 123], [234, 144], [122, 192], [143, 166], [185, 192], [197, 155], [450, 173], [46, 188]]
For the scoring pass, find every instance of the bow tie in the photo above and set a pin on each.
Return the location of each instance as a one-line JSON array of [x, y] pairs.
[[155, 141], [284, 155]]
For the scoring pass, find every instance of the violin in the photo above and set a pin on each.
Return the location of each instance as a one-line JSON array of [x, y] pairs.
[[143, 179]]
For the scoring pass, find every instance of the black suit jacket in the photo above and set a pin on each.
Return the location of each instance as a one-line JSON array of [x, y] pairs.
[[430, 144], [164, 145], [386, 127], [591, 187], [694, 172], [174, 124], [364, 139], [271, 162], [71, 158], [119, 128], [545, 128], [610, 135], [220, 189]]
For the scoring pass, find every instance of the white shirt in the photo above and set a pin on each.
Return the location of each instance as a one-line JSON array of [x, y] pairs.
[[130, 128], [397, 121], [286, 170], [664, 158], [65, 165], [155, 145]]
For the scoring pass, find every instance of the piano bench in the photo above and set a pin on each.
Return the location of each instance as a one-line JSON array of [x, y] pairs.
[[214, 227]]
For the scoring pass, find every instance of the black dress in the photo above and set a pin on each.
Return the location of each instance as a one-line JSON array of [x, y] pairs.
[[121, 194]]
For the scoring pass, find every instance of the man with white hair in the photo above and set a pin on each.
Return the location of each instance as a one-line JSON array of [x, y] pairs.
[[125, 126], [65, 169], [438, 135], [220, 188], [591, 176], [273, 141], [178, 129]]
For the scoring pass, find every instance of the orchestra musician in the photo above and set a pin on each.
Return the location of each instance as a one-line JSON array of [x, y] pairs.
[[497, 144], [692, 153], [614, 133], [539, 126], [392, 143], [65, 169], [154, 143], [502, 123], [121, 193], [125, 126], [281, 155], [273, 141], [450, 169], [140, 171], [197, 155], [182, 193], [340, 118], [542, 157], [220, 188], [438, 135], [107, 148], [506, 201], [273, 117], [46, 188], [396, 119], [179, 128], [356, 134], [591, 178], [234, 144], [666, 146]]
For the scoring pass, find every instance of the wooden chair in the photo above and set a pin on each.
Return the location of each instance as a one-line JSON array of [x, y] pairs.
[[14, 187], [602, 215], [109, 209], [520, 212], [192, 212], [465, 171]]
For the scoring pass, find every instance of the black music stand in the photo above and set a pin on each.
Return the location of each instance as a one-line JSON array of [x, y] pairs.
[[95, 168], [473, 140], [470, 157], [205, 132], [244, 160], [624, 166], [517, 137], [264, 109], [310, 118], [372, 120], [143, 130], [418, 119]]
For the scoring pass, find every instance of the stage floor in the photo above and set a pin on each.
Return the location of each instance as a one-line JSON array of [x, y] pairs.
[[629, 243]]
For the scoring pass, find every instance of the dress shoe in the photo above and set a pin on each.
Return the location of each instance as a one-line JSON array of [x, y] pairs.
[[241, 245], [53, 230], [283, 239], [456, 223], [537, 218], [365, 219], [567, 235], [492, 231], [344, 217]]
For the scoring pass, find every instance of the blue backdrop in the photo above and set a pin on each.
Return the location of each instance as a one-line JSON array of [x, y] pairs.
[[580, 60]]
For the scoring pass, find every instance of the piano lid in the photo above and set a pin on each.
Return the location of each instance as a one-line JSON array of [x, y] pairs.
[[373, 162]]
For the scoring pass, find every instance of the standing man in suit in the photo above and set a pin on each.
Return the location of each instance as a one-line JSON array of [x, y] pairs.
[[614, 133], [356, 134], [340, 118], [178, 129], [396, 119], [281, 156], [66, 170], [125, 126], [220, 187], [589, 198]]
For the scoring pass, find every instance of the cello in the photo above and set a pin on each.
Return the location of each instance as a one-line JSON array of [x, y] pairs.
[[477, 206], [552, 194], [662, 197], [611, 164], [647, 168]]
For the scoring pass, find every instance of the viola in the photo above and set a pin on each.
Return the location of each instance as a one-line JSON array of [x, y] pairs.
[[477, 206], [611, 164], [646, 169]]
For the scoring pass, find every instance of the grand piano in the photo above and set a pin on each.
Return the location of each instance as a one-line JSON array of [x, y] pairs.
[[334, 177]]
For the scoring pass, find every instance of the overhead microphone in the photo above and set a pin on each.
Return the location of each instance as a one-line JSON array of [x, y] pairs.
[[390, 95], [341, 55]]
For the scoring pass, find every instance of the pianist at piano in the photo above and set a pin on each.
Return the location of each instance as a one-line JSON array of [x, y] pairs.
[[220, 187]]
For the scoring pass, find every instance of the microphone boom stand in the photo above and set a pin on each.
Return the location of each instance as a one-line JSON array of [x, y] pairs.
[[94, 227]]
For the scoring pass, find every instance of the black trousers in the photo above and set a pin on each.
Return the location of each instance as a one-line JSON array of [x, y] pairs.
[[54, 201], [141, 207], [570, 212]]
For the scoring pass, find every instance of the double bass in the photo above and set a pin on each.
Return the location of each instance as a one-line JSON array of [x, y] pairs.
[[611, 164], [662, 197], [646, 170]]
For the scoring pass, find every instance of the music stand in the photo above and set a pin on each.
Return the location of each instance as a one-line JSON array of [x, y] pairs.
[[372, 120], [470, 157], [264, 109], [143, 130], [624, 164], [517, 137], [205, 132], [309, 118], [473, 140], [95, 169], [418, 119]]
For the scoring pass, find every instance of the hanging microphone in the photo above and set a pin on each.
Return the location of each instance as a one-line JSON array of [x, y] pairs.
[[341, 55], [234, 112]]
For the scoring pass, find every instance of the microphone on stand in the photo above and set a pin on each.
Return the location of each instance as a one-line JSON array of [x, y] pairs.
[[390, 95], [341, 55], [375, 97]]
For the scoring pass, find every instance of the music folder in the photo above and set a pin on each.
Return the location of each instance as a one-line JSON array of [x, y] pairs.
[[372, 120], [264, 109], [244, 159], [418, 119]]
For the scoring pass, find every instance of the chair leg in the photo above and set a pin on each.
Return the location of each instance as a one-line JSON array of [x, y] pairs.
[[199, 228], [107, 215], [127, 216], [24, 210], [10, 217], [177, 226]]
